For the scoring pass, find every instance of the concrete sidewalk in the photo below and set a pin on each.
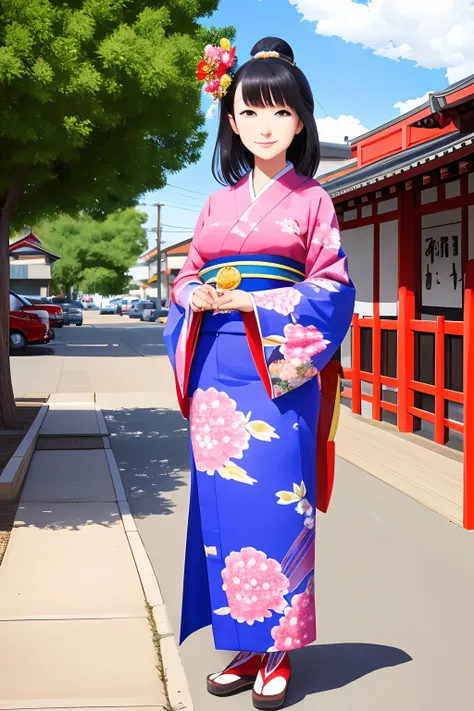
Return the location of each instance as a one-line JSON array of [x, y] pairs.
[[74, 625]]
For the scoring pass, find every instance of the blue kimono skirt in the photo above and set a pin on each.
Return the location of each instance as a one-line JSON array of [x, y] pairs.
[[249, 566]]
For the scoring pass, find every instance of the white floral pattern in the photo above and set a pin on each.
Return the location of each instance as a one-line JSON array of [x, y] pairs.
[[290, 226], [327, 236]]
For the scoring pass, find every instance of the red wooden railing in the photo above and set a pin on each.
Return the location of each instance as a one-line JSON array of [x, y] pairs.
[[405, 381]]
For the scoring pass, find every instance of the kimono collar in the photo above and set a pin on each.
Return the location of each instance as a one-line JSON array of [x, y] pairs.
[[274, 192], [267, 185], [248, 214]]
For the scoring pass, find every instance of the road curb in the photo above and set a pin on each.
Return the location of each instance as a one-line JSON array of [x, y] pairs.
[[14, 473], [175, 678]]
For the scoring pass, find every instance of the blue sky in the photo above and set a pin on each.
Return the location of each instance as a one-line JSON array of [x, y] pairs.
[[357, 87]]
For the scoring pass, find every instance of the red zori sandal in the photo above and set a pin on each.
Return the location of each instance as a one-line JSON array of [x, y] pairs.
[[271, 684], [239, 675]]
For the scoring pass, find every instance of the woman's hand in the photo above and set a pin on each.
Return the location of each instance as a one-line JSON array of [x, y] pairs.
[[235, 300], [204, 298]]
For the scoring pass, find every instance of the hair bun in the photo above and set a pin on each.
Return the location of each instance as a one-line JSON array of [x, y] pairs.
[[273, 44]]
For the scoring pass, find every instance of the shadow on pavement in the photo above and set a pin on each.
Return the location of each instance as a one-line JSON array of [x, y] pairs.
[[325, 667], [152, 453], [40, 350]]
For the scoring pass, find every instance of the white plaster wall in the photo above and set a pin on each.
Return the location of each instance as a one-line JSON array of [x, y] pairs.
[[453, 189], [387, 206], [389, 268], [358, 244], [446, 217], [176, 262], [349, 215], [429, 195], [327, 166], [471, 232], [442, 294], [346, 350]]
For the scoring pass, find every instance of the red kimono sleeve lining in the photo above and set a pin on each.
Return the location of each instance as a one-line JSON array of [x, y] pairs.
[[183, 397], [254, 338]]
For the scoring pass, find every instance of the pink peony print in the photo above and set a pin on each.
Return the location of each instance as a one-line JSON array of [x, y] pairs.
[[297, 626], [254, 585], [217, 430], [302, 343], [276, 367], [288, 375], [328, 237], [288, 372], [283, 301]]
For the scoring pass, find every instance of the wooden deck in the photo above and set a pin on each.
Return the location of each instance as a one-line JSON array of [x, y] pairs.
[[428, 473]]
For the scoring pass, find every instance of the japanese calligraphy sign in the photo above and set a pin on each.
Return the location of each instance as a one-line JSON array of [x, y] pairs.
[[441, 266]]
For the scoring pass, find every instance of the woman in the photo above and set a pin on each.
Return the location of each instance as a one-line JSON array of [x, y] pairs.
[[260, 306]]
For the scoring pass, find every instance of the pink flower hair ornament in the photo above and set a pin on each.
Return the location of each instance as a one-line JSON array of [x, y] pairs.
[[216, 69]]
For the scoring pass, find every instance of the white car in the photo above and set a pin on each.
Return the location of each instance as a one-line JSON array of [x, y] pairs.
[[111, 306]]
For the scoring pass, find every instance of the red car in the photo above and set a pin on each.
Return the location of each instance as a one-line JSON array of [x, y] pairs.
[[22, 303], [25, 329]]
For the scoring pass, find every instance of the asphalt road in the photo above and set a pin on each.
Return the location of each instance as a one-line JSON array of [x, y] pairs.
[[103, 336], [395, 581], [106, 355]]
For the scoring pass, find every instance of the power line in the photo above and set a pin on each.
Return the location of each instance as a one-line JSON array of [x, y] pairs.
[[179, 227], [189, 197], [177, 206], [187, 190], [321, 106]]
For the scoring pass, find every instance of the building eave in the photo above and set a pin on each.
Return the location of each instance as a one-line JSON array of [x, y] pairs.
[[398, 164]]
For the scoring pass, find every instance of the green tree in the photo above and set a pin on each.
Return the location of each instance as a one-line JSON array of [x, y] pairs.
[[99, 101], [95, 255]]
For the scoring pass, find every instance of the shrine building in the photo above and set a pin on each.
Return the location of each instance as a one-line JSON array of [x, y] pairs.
[[405, 204]]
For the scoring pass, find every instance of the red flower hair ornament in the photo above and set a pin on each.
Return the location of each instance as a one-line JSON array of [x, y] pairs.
[[216, 68]]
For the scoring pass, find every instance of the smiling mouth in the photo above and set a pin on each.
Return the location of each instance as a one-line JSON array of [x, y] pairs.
[[265, 144]]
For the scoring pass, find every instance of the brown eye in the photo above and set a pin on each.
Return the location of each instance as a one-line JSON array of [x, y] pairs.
[[283, 112], [248, 112]]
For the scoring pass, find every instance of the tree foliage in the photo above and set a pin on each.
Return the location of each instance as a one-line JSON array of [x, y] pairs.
[[99, 101], [95, 256]]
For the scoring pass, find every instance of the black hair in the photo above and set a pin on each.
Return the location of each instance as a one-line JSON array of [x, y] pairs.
[[267, 82]]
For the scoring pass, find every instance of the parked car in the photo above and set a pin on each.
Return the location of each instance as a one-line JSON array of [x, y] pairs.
[[26, 328], [111, 306], [139, 306], [25, 303], [73, 311], [155, 315], [128, 303]]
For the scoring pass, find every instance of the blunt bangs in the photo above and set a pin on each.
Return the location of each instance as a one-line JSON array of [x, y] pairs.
[[266, 82]]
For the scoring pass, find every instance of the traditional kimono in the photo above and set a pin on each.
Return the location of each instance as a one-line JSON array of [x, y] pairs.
[[250, 384]]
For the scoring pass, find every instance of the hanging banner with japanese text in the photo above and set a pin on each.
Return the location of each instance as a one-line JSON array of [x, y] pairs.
[[441, 266]]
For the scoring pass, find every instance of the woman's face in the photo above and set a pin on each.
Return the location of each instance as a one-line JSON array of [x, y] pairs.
[[266, 132]]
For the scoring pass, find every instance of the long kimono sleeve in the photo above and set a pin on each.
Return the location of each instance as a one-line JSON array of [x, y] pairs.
[[293, 332], [182, 325]]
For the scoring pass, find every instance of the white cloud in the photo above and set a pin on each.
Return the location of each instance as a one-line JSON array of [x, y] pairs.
[[435, 35], [334, 130], [212, 112], [410, 104]]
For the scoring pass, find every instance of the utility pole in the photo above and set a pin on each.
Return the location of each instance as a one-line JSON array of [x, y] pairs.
[[158, 205]]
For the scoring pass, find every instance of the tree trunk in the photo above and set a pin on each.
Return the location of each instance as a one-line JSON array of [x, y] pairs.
[[8, 414]]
